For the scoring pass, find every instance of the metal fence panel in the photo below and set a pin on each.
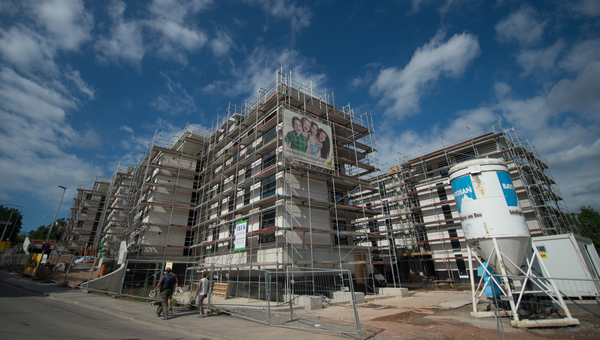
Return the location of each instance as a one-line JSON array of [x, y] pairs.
[[321, 300]]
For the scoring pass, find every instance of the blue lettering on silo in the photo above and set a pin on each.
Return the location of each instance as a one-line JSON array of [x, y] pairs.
[[510, 195], [462, 187]]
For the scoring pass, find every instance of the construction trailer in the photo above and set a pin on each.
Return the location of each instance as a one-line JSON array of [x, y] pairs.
[[574, 263], [420, 215]]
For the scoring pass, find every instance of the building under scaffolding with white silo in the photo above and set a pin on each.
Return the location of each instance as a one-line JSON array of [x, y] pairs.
[[253, 192], [420, 216]]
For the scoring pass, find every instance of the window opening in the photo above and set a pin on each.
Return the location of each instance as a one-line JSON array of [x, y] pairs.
[[342, 239]]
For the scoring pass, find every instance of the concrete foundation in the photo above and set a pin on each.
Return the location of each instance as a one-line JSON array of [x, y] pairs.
[[310, 302], [402, 292], [341, 297]]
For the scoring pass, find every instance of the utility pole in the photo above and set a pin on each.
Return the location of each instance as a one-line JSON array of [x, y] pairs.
[[54, 220]]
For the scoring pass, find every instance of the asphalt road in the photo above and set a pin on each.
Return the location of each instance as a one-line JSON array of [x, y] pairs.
[[26, 315]]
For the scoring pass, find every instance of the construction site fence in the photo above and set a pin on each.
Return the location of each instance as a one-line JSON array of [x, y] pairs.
[[15, 262], [309, 299]]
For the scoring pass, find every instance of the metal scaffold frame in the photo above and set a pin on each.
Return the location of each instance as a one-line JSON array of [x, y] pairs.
[[243, 160], [417, 200]]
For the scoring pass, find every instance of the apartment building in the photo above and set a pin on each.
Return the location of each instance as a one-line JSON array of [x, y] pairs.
[[85, 215], [425, 240], [272, 184]]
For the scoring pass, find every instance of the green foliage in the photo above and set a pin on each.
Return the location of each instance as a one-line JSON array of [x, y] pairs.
[[137, 292], [588, 223], [42, 231], [13, 219]]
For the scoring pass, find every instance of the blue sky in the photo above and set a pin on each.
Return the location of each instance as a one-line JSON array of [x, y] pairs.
[[85, 84]]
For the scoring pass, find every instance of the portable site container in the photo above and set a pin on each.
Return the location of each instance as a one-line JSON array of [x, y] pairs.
[[573, 261]]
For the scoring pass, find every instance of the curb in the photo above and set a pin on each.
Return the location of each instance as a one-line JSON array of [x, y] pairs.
[[23, 288]]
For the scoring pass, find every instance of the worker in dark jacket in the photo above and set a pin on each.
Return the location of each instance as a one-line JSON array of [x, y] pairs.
[[167, 284]]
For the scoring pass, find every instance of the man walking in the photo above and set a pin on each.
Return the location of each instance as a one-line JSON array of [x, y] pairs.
[[166, 284], [201, 293]]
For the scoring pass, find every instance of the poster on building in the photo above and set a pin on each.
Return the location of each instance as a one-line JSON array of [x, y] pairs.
[[240, 235], [307, 140]]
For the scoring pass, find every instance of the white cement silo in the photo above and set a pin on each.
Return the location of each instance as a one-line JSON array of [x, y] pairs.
[[489, 209]]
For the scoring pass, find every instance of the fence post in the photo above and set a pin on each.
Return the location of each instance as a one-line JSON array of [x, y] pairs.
[[210, 283], [268, 287], [353, 301], [10, 262], [68, 269]]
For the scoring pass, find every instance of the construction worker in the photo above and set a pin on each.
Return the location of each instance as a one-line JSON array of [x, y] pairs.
[[167, 284]]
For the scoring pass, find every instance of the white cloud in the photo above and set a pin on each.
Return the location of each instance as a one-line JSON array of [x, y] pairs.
[[35, 134], [542, 60], [126, 128], [582, 55], [172, 20], [521, 26], [585, 7], [221, 43], [411, 143], [176, 100], [27, 50], [527, 113], [502, 90], [581, 95], [436, 59], [258, 71], [62, 24], [415, 4], [82, 86], [578, 153], [66, 21], [444, 5], [298, 16], [31, 99], [125, 43]]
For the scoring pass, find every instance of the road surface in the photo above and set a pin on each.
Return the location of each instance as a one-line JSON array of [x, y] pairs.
[[27, 315]]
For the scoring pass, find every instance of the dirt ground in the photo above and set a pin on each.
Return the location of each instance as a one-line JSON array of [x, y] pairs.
[[446, 324]]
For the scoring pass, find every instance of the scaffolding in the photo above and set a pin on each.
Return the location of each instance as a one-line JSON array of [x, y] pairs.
[[112, 216], [298, 215], [419, 207], [152, 206], [84, 220]]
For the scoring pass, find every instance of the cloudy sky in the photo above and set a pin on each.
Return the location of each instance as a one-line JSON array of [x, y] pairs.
[[84, 85]]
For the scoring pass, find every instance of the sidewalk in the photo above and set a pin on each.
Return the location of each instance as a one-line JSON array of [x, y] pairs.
[[214, 326]]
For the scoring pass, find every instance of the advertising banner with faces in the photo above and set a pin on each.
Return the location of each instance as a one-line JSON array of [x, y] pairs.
[[307, 140]]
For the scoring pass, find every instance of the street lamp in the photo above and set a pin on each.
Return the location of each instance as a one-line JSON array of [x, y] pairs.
[[54, 220], [9, 220]]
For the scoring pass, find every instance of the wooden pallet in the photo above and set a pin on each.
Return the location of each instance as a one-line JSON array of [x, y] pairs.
[[220, 290]]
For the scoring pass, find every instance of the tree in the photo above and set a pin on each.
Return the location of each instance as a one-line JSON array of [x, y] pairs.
[[588, 222], [39, 234], [42, 231], [11, 220]]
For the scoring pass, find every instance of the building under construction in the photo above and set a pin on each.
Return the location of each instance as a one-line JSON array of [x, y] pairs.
[[425, 240], [85, 216], [291, 180], [272, 185]]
